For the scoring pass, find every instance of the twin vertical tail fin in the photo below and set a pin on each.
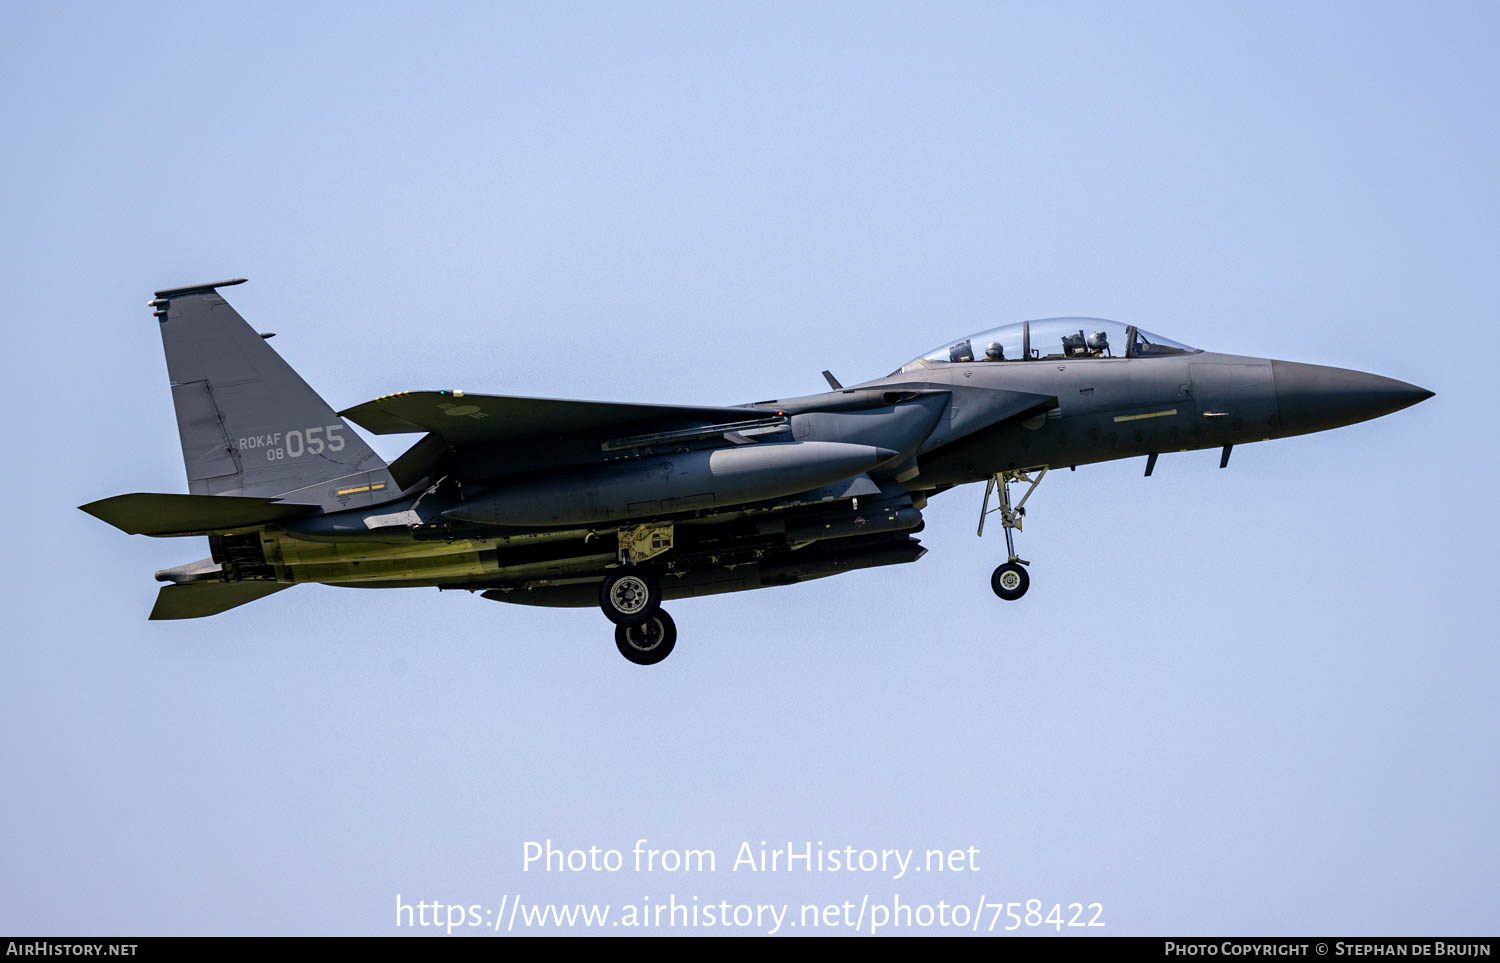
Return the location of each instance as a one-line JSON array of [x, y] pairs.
[[259, 445], [248, 423]]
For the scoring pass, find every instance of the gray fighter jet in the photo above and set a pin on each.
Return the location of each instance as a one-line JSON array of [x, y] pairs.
[[622, 506]]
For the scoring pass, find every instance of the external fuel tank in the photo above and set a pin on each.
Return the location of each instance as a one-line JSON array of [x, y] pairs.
[[665, 484]]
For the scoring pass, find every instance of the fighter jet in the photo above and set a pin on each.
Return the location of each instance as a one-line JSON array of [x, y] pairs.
[[623, 506]]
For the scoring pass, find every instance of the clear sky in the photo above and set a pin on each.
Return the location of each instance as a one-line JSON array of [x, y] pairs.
[[1259, 700]]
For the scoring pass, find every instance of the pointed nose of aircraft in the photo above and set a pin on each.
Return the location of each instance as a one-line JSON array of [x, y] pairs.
[[1311, 397]]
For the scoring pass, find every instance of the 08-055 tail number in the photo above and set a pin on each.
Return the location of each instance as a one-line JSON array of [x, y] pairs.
[[297, 442]]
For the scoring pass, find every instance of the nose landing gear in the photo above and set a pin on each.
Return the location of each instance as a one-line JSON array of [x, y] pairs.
[[1009, 580]]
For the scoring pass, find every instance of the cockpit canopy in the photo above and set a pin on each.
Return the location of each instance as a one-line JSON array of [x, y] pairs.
[[1053, 339]]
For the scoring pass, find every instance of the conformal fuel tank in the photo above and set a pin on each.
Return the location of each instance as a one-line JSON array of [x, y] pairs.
[[664, 484]]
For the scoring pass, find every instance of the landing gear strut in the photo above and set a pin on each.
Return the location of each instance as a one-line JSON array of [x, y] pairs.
[[1010, 580]]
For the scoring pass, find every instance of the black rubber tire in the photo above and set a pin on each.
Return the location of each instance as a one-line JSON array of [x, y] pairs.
[[1010, 581], [629, 596], [648, 642]]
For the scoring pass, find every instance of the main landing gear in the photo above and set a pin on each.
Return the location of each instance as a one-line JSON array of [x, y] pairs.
[[648, 642], [1009, 580], [631, 599], [629, 596]]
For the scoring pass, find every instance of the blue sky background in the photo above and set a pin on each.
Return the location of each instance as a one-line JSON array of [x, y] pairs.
[[1253, 701]]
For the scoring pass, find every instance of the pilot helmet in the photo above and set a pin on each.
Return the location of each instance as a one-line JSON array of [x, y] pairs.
[[994, 351]]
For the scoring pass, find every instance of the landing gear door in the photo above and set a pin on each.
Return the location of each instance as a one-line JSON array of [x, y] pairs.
[[1240, 397]]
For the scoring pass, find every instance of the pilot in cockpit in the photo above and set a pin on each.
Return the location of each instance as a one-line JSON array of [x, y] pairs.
[[994, 352]]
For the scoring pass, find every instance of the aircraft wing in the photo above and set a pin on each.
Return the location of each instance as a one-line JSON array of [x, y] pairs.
[[462, 419]]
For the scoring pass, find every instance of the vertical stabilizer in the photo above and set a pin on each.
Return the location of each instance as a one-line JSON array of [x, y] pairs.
[[249, 424]]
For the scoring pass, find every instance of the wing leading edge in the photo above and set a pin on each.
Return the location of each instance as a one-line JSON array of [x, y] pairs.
[[462, 419]]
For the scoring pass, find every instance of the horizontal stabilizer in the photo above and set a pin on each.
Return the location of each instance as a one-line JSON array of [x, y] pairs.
[[194, 600], [462, 419], [149, 513]]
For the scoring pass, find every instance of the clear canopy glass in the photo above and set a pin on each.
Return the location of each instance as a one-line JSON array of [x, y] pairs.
[[1052, 339]]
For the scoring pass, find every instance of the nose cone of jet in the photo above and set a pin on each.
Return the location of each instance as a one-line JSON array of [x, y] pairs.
[[1312, 397]]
